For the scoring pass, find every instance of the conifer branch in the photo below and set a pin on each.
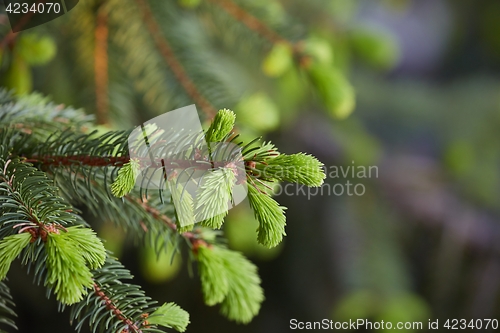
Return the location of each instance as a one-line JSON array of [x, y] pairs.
[[261, 28], [114, 309], [129, 309], [252, 22], [175, 65], [91, 161], [192, 237], [154, 212], [32, 201], [228, 278], [119, 161], [70, 260]]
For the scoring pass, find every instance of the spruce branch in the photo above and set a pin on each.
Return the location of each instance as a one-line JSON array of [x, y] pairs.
[[245, 294], [35, 115], [252, 22], [85, 160], [115, 161], [263, 166], [142, 216], [155, 213], [114, 309], [11, 246], [183, 202], [194, 238], [261, 28], [118, 306], [67, 271], [70, 252], [168, 54], [38, 225], [212, 197], [30, 201], [141, 213], [228, 278], [271, 217], [127, 176], [170, 315], [221, 126], [297, 168]]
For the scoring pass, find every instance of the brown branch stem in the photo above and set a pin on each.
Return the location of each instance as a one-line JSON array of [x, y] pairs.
[[250, 21], [118, 161], [168, 54], [95, 161], [101, 66], [189, 236], [261, 28], [112, 307]]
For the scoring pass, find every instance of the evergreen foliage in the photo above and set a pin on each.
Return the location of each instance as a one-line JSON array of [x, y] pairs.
[[11, 246], [115, 305], [170, 315], [230, 279], [67, 272], [296, 168], [221, 126], [214, 195], [51, 158], [126, 178], [270, 215]]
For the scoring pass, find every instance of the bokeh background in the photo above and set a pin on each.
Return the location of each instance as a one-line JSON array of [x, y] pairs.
[[422, 80]]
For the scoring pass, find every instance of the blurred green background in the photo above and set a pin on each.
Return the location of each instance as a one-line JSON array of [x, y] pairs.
[[421, 78]]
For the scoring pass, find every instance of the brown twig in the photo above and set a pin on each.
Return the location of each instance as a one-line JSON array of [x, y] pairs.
[[101, 66], [116, 312], [251, 21], [154, 212], [168, 54], [95, 161], [118, 161], [261, 28], [193, 238]]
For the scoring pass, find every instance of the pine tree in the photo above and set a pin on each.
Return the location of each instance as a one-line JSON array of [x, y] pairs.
[[52, 158]]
